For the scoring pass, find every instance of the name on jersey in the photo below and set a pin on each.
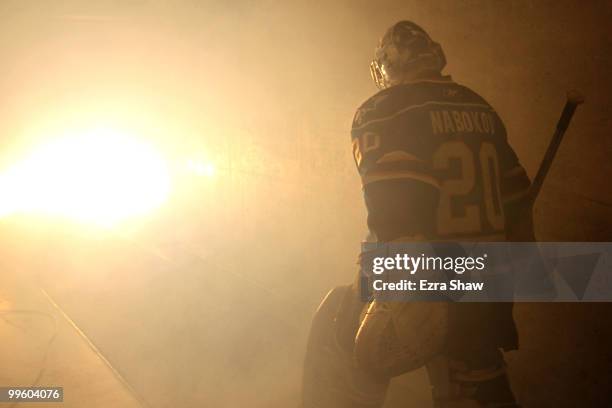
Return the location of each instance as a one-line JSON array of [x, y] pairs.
[[451, 121]]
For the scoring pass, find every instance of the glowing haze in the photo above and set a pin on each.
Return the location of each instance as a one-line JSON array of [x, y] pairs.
[[99, 176]]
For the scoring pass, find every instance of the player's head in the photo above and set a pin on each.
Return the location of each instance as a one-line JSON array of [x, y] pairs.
[[404, 53]]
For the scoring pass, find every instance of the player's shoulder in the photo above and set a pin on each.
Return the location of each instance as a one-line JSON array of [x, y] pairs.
[[413, 97], [376, 106]]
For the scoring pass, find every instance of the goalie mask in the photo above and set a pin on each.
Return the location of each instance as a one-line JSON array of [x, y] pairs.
[[405, 52]]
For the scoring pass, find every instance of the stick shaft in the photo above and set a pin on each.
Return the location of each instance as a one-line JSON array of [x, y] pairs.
[[574, 99]]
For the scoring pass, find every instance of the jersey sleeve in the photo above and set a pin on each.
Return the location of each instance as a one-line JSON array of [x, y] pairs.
[[388, 144], [514, 181], [394, 164]]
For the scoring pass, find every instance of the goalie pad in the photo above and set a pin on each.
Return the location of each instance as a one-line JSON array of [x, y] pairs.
[[398, 337], [331, 378]]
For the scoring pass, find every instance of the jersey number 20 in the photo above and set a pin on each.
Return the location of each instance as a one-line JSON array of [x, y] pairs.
[[468, 220]]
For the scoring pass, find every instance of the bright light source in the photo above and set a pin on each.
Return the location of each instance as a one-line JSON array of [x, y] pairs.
[[100, 176], [201, 168], [209, 170]]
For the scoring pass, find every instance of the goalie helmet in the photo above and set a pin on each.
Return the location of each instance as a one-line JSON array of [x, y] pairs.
[[404, 52]]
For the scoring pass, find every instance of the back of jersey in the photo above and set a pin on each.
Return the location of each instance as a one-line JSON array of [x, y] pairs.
[[435, 162]]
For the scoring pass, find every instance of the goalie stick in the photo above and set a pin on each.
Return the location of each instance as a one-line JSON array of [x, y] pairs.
[[574, 98]]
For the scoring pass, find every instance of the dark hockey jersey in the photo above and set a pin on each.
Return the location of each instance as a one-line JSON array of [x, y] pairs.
[[435, 162]]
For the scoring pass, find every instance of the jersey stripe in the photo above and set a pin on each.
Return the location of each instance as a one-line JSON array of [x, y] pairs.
[[514, 196], [429, 103], [518, 170], [374, 176]]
